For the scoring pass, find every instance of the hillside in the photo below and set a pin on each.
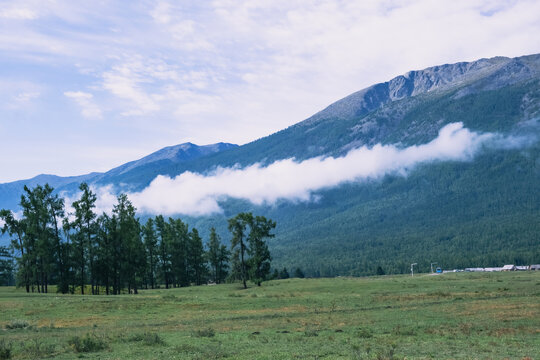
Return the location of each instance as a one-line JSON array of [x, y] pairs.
[[483, 212], [163, 158], [480, 212]]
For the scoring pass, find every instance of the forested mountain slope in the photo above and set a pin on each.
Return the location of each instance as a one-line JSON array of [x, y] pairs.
[[469, 213], [459, 214], [163, 158]]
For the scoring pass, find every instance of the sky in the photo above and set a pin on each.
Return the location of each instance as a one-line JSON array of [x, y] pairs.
[[86, 88]]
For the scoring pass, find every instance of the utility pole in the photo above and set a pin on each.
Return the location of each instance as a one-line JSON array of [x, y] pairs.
[[412, 269], [432, 267]]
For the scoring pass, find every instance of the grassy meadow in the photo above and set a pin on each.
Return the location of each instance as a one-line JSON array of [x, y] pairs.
[[450, 316]]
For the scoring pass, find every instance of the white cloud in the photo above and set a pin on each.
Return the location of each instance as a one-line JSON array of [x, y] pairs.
[[25, 97], [17, 13], [84, 100], [199, 194], [128, 80], [106, 199], [161, 13]]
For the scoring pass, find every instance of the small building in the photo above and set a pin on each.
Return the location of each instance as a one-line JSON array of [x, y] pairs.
[[474, 269], [493, 269], [522, 268], [535, 267], [509, 268]]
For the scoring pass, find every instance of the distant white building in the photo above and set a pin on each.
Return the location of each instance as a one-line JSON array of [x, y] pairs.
[[493, 269], [535, 267], [522, 268], [509, 268]]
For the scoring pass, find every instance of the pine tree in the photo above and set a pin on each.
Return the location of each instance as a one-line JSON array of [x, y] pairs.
[[151, 245], [62, 250], [117, 254], [237, 226], [105, 239], [165, 262], [133, 259], [284, 274], [38, 236], [259, 262], [16, 229], [6, 266], [197, 258], [218, 257], [179, 251], [83, 239]]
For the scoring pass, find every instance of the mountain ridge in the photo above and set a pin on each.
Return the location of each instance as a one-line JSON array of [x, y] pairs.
[[358, 104], [481, 212], [169, 155]]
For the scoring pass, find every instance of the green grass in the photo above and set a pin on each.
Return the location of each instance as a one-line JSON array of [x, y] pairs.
[[451, 316]]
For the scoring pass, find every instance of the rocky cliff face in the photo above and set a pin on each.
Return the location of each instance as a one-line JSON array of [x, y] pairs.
[[495, 72]]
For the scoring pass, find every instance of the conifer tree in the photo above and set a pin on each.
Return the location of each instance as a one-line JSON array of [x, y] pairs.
[[179, 252], [151, 245], [218, 257], [165, 261], [55, 206], [105, 237], [259, 262], [38, 236], [85, 230], [196, 258], [239, 246], [16, 229], [130, 240], [6, 266], [116, 254]]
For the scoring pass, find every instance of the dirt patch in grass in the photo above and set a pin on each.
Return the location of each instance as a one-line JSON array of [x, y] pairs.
[[10, 305], [76, 322], [502, 332], [285, 309], [503, 311]]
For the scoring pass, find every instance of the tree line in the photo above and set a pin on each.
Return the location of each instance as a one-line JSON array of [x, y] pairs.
[[90, 253]]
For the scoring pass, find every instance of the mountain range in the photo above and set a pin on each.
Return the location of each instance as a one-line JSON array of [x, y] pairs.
[[481, 212]]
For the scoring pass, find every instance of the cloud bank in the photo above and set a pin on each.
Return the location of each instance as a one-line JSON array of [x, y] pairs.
[[199, 194]]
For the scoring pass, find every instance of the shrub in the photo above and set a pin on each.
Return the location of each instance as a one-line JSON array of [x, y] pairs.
[[208, 332], [17, 324], [364, 333], [5, 350], [169, 297], [148, 338], [406, 331], [38, 349], [87, 343]]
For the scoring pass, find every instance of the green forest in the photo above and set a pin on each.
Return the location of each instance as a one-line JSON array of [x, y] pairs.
[[83, 252]]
